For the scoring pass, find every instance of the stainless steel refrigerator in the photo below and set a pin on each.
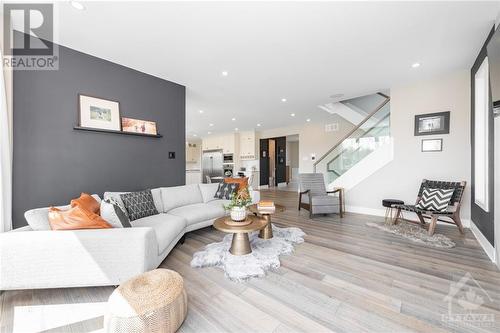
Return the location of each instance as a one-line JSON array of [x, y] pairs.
[[211, 164]]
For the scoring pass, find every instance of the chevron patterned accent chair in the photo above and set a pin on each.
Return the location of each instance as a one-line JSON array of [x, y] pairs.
[[450, 215]]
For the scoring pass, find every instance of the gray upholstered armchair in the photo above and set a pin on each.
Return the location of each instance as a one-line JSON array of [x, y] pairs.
[[314, 197]]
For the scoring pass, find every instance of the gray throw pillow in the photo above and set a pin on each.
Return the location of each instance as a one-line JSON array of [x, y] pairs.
[[113, 214], [225, 190], [139, 204]]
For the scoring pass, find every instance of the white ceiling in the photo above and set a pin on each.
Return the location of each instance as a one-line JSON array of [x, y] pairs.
[[301, 51]]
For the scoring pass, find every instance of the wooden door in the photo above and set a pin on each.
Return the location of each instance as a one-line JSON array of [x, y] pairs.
[[264, 161]]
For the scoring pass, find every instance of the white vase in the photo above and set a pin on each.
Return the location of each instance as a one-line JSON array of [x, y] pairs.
[[238, 213]]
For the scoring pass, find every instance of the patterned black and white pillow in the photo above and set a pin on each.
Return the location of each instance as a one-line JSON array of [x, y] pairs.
[[139, 204], [114, 214], [435, 199], [225, 190]]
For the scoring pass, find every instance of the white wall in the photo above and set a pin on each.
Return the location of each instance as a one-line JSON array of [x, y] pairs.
[[400, 179], [313, 140]]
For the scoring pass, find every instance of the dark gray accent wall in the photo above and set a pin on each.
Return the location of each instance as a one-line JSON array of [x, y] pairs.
[[482, 219], [54, 163]]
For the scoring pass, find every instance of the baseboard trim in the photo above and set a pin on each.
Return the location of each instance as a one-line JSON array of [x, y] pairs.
[[365, 210], [487, 247], [381, 212]]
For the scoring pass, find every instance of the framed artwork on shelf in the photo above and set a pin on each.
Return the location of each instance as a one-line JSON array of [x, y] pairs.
[[99, 113], [432, 145], [432, 123], [139, 126]]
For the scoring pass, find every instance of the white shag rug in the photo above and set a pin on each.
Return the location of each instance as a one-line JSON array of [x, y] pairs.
[[415, 233], [265, 254]]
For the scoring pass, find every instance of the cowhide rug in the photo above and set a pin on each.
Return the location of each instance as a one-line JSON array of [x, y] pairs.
[[265, 254]]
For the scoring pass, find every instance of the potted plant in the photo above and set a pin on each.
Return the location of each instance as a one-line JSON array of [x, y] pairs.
[[238, 205]]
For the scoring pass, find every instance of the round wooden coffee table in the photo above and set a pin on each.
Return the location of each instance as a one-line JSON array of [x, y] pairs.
[[267, 232], [240, 245]]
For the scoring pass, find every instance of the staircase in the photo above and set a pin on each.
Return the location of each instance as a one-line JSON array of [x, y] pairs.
[[365, 149]]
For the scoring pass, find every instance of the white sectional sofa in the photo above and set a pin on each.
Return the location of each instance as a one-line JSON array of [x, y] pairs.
[[31, 259]]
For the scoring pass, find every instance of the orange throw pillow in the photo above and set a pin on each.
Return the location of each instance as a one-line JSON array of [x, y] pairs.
[[87, 202], [75, 218], [243, 182]]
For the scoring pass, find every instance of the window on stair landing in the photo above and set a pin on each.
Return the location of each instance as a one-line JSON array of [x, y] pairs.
[[481, 156]]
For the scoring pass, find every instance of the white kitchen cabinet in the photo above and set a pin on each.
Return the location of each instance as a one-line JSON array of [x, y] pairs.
[[248, 146], [229, 143], [212, 142], [219, 142], [193, 153], [193, 177], [226, 142], [208, 143]]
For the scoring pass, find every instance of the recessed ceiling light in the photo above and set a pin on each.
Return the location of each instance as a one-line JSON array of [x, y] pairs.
[[283, 100], [77, 5], [258, 125], [233, 119], [210, 125], [292, 114], [308, 119], [236, 129], [195, 135], [201, 111], [225, 73], [415, 65], [209, 133]]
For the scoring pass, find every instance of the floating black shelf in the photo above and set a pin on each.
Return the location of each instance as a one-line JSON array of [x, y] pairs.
[[88, 129]]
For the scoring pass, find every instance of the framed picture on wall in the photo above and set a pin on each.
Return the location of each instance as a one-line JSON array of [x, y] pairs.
[[100, 113], [138, 126], [432, 123], [432, 145]]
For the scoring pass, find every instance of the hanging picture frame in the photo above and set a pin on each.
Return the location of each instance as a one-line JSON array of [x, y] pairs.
[[432, 145], [98, 113], [432, 123], [139, 126]]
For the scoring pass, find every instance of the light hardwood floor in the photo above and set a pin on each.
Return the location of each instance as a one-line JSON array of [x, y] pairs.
[[346, 277]]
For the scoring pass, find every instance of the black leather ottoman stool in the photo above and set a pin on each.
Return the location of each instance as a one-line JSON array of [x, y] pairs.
[[390, 214]]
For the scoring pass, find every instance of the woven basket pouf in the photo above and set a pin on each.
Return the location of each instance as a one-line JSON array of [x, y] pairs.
[[153, 302]]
